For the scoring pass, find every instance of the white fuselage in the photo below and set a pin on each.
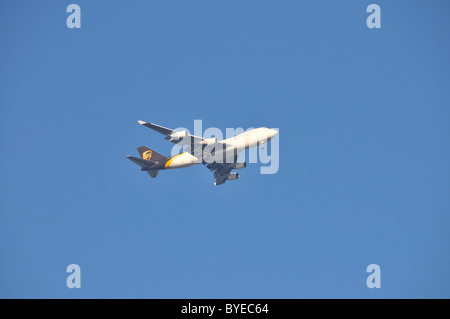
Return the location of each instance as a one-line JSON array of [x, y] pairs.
[[250, 139], [234, 146]]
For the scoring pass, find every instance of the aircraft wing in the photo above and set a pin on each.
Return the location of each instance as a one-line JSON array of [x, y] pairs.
[[196, 144], [221, 174], [173, 136], [223, 171]]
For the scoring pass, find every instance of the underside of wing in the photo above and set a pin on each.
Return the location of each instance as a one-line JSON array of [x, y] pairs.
[[223, 171]]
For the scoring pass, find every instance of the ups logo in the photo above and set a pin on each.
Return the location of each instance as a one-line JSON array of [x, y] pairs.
[[147, 155]]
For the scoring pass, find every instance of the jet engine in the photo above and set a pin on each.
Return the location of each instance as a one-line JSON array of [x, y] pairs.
[[209, 141], [176, 136], [240, 165], [232, 176]]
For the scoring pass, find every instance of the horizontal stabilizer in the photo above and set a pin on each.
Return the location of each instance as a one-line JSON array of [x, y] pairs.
[[144, 164]]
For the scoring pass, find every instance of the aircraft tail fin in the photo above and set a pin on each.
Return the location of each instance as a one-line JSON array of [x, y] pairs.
[[148, 154], [149, 158]]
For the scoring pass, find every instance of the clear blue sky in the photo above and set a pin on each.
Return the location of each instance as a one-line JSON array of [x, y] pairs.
[[364, 149]]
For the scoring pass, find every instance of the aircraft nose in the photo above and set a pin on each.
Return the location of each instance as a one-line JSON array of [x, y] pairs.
[[273, 133]]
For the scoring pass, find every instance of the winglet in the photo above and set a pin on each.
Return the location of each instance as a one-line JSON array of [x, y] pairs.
[[142, 122]]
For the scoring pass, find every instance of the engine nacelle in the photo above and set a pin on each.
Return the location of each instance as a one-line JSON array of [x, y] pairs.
[[176, 136], [209, 141], [240, 165], [232, 176]]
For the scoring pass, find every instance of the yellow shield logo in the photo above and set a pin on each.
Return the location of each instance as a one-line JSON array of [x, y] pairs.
[[147, 155]]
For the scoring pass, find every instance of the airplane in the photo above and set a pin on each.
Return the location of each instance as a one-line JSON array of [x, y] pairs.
[[221, 160]]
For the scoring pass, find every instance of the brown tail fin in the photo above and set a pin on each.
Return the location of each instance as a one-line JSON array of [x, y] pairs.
[[149, 154]]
